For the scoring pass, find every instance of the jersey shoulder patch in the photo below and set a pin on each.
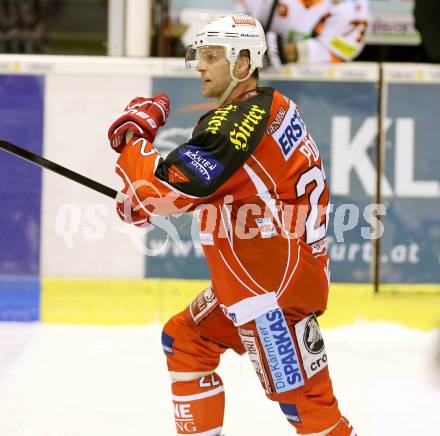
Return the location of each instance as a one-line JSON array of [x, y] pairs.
[[204, 166]]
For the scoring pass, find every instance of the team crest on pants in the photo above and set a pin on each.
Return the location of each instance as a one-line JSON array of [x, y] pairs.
[[311, 345], [203, 305]]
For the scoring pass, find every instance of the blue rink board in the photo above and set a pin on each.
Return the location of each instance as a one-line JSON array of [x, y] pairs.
[[21, 122], [20, 298]]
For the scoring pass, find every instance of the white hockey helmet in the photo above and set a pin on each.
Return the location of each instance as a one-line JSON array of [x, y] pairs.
[[235, 33]]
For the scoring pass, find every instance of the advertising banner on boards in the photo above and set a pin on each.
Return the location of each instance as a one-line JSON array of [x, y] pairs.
[[411, 242], [392, 22], [21, 122]]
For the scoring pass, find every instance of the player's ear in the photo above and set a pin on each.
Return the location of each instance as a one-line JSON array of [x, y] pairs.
[[243, 63]]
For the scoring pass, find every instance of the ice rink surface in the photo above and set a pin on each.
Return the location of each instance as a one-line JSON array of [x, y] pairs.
[[58, 380]]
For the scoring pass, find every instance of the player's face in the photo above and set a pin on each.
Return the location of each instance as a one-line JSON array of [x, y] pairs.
[[214, 71]]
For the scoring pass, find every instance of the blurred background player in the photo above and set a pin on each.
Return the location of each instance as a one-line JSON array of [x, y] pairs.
[[255, 175], [311, 31]]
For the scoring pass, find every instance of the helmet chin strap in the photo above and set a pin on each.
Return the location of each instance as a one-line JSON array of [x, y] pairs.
[[234, 83]]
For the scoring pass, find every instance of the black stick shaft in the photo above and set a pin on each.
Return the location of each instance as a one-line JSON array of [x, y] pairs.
[[59, 169]]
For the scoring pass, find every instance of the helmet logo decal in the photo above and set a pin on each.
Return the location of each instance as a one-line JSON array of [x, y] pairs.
[[244, 20]]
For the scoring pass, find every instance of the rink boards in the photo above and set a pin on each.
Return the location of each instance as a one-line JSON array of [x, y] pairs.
[[121, 302], [61, 107]]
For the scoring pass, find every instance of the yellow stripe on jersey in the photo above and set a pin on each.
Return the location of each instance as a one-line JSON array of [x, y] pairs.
[[125, 302]]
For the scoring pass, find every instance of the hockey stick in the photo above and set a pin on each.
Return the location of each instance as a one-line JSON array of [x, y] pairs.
[[63, 171]]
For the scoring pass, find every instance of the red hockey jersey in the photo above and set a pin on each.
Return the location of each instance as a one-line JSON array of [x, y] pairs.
[[254, 173]]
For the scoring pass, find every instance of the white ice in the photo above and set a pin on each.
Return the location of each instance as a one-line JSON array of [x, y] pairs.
[[111, 381]]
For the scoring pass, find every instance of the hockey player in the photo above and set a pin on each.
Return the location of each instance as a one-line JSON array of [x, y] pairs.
[[311, 31], [254, 173]]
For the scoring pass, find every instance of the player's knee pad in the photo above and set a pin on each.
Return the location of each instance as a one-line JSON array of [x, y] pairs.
[[176, 344], [199, 402], [172, 327], [185, 350], [194, 339]]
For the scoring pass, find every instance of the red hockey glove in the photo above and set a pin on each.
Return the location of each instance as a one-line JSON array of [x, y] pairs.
[[142, 116], [131, 214]]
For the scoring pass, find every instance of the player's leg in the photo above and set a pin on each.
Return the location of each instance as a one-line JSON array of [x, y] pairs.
[[197, 391], [291, 361], [193, 342]]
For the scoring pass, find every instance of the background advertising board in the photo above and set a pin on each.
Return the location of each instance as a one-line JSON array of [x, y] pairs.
[[393, 23], [21, 121], [411, 243], [339, 105]]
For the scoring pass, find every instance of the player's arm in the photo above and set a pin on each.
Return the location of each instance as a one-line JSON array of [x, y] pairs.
[[193, 173], [132, 135]]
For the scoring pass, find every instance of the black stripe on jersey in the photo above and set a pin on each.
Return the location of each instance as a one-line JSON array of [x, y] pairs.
[[221, 143]]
